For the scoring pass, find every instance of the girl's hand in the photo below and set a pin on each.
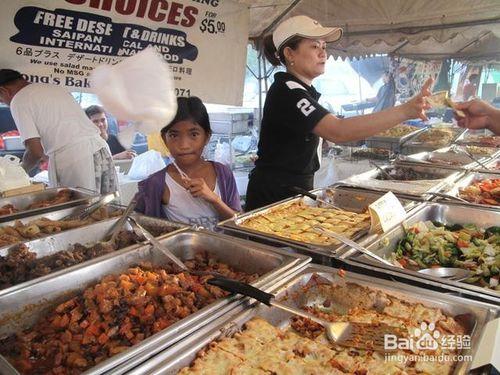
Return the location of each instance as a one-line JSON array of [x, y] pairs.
[[416, 106], [199, 189]]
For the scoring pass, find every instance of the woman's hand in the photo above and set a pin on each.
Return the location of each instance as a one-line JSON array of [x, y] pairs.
[[128, 154], [416, 106], [199, 189]]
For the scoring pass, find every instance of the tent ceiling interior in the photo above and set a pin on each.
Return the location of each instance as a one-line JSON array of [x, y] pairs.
[[418, 29]]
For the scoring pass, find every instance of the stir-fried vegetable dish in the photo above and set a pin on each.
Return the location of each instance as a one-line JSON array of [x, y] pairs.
[[432, 244]]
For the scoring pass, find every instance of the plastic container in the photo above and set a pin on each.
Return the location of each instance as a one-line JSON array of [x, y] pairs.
[[140, 143], [13, 143], [229, 116], [227, 127], [12, 175], [415, 122]]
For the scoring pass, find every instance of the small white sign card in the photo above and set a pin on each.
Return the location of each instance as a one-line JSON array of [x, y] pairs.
[[386, 212]]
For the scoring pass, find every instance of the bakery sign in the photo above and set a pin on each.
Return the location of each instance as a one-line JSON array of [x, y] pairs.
[[60, 41]]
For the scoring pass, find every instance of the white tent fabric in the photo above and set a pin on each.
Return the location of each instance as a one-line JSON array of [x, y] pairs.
[[419, 29]]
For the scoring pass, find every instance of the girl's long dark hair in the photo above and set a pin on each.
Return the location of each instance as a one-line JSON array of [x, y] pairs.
[[190, 109]]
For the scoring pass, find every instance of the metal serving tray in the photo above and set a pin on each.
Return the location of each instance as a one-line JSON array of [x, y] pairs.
[[184, 352], [414, 187], [492, 165], [461, 160], [21, 202], [54, 215], [392, 143], [369, 154], [448, 213], [347, 198], [470, 138], [87, 235], [22, 307], [469, 179], [490, 152], [415, 146]]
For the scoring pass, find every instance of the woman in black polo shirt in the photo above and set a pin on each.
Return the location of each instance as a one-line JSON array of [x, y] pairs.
[[293, 120]]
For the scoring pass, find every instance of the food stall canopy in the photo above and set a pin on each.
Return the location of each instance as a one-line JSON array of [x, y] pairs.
[[418, 29]]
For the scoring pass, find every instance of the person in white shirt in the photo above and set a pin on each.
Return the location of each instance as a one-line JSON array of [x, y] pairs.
[[52, 123]]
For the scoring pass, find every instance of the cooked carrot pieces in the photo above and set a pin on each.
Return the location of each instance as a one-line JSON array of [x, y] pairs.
[[113, 315]]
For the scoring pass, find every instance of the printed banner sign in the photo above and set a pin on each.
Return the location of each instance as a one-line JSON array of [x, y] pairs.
[[60, 41]]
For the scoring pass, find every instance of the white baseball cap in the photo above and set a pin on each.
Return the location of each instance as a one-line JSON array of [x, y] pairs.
[[306, 27]]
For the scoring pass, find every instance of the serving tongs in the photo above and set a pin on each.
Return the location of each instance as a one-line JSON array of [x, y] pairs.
[[380, 169], [353, 244], [117, 226], [157, 245], [366, 336], [314, 197], [472, 157], [89, 210], [446, 196]]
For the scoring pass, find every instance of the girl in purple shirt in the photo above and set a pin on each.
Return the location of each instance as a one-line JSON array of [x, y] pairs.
[[191, 189]]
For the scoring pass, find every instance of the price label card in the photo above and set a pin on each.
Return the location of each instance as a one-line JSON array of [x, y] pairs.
[[489, 346], [386, 212]]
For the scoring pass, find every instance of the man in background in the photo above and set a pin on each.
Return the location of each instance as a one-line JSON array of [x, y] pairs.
[[470, 88], [97, 115], [386, 95], [50, 122]]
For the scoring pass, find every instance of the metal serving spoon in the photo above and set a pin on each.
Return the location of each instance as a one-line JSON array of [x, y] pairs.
[[360, 335], [450, 273]]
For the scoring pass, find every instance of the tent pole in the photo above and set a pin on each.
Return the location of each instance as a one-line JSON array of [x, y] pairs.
[[265, 73], [359, 82], [260, 86], [279, 18], [472, 43], [399, 47]]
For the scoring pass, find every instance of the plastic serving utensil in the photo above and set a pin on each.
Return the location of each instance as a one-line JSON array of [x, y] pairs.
[[357, 335], [181, 172]]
